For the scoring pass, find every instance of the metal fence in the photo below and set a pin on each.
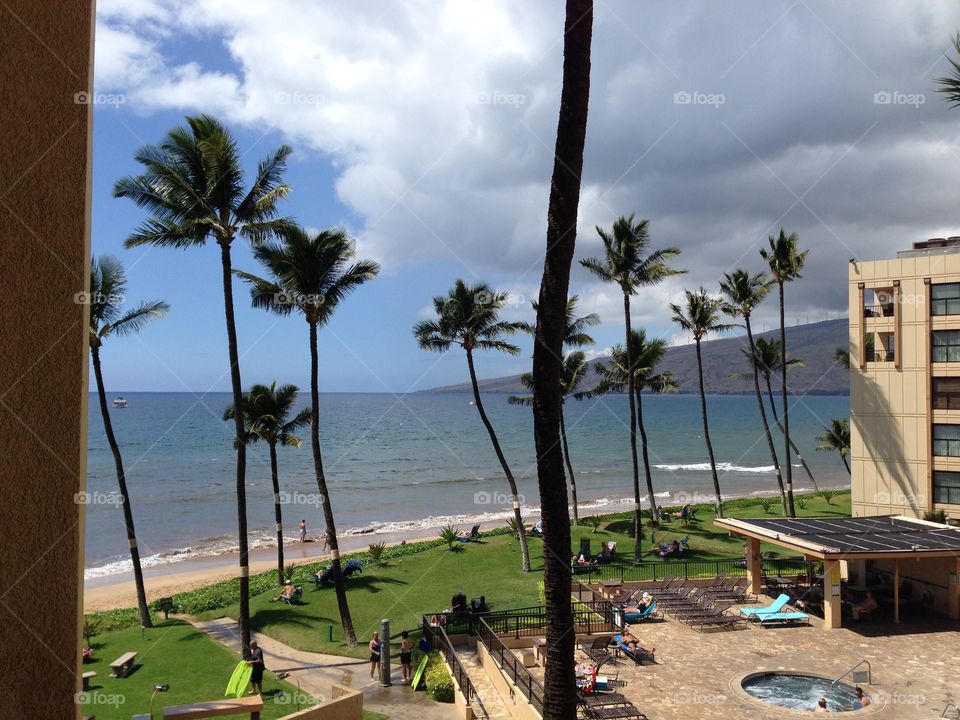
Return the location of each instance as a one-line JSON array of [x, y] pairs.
[[440, 641], [693, 569], [529, 686]]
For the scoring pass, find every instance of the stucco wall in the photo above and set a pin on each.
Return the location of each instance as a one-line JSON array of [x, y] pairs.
[[44, 251], [344, 704]]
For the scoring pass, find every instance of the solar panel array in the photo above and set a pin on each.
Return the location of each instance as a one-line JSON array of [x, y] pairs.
[[865, 534]]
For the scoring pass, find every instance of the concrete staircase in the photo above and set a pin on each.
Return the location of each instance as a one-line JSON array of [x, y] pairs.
[[493, 703]]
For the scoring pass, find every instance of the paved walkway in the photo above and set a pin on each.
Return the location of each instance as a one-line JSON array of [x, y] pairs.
[[313, 673]]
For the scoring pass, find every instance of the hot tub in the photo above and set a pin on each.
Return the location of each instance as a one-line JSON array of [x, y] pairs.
[[799, 691]]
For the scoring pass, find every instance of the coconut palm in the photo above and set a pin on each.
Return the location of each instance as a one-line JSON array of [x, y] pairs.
[[108, 286], [647, 354], [743, 293], [836, 437], [701, 317], [572, 374], [468, 316], [266, 411], [785, 262], [950, 84], [193, 186], [627, 263], [559, 689], [311, 273]]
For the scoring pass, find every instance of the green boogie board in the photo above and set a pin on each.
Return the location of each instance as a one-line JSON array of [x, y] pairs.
[[418, 675], [239, 680]]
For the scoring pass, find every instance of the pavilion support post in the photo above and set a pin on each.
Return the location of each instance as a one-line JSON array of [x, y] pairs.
[[754, 567], [896, 591], [831, 594], [954, 609]]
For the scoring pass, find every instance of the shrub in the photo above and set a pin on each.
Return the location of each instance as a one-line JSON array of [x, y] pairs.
[[376, 551], [91, 626], [439, 682], [289, 571], [450, 536], [513, 526], [800, 503], [766, 503], [593, 521], [827, 496], [937, 516]]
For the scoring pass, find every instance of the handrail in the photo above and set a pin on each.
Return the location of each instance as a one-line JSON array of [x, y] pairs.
[[529, 686], [862, 662], [460, 673]]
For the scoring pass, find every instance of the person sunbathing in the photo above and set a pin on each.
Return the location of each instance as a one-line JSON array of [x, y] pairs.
[[286, 593], [633, 642], [582, 560]]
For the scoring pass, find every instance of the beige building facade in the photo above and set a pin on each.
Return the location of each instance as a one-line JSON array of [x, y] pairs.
[[905, 381]]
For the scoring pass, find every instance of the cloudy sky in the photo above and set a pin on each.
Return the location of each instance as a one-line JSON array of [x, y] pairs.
[[426, 129]]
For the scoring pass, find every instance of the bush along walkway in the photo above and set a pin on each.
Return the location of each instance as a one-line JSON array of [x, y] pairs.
[[313, 673]]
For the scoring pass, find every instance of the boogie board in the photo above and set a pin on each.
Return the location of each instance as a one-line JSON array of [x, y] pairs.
[[239, 680], [418, 675]]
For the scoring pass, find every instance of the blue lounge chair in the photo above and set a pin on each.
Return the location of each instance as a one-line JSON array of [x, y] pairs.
[[774, 607], [785, 618], [645, 615], [637, 656]]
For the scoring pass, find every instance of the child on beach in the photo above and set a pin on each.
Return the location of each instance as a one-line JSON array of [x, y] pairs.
[[406, 652], [303, 531]]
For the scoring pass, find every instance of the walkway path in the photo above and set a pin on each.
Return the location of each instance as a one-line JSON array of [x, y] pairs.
[[313, 673]]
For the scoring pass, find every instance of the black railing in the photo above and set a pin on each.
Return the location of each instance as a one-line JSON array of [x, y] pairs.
[[688, 570], [529, 686], [589, 617], [440, 641], [878, 310]]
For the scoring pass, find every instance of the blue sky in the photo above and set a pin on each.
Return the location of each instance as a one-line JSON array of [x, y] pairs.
[[426, 130]]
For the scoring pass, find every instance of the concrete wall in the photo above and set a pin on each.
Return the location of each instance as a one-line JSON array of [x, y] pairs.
[[891, 414], [519, 709], [344, 704], [44, 256]]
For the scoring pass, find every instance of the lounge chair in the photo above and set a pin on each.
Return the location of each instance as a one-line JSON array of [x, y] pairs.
[[638, 655], [774, 607], [784, 618], [294, 597], [641, 616], [472, 536]]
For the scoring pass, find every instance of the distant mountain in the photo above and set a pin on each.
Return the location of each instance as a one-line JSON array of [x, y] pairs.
[[814, 343]]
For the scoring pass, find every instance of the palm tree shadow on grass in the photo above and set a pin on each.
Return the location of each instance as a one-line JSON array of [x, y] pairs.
[[269, 617]]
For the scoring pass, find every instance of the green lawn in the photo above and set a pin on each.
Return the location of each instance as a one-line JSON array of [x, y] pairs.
[[424, 582], [196, 668]]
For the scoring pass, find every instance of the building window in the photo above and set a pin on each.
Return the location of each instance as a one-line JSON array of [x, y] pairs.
[[946, 487], [946, 393], [946, 345], [945, 299], [946, 440]]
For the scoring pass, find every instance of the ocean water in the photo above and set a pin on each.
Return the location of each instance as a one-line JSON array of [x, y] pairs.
[[411, 461]]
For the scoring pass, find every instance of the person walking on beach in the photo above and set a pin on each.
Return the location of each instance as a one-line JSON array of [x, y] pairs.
[[303, 531], [374, 654], [256, 661], [406, 652]]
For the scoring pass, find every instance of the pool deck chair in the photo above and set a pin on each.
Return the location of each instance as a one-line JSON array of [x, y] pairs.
[[637, 656], [647, 614], [774, 607], [782, 618]]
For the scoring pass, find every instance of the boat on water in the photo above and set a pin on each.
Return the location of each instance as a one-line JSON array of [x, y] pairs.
[[119, 402]]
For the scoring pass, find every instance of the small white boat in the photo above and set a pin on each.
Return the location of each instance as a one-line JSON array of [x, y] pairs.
[[119, 402]]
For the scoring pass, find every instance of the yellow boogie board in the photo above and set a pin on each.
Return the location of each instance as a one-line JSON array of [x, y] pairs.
[[418, 675], [237, 685]]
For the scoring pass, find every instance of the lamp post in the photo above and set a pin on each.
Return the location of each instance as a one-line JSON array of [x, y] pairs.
[[157, 689]]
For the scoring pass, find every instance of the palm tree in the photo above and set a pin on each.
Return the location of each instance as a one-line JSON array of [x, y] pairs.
[[108, 285], [836, 437], [467, 316], [266, 410], [841, 356], [559, 696], [192, 185], [744, 292], [785, 263], [950, 84], [572, 374], [700, 317], [647, 355], [625, 263], [767, 361], [312, 272]]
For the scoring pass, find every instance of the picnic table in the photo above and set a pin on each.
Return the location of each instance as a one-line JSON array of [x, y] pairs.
[[122, 666], [778, 581]]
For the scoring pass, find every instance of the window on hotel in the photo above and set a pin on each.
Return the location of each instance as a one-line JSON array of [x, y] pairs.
[[946, 345], [945, 299], [946, 393], [946, 487], [946, 440]]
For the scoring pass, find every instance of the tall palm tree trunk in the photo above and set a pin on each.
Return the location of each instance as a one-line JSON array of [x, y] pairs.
[[763, 416], [345, 619], [144, 611], [559, 697], [786, 407], [845, 463], [521, 531], [241, 446], [796, 450], [566, 458], [706, 432], [646, 459], [637, 518], [277, 512]]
